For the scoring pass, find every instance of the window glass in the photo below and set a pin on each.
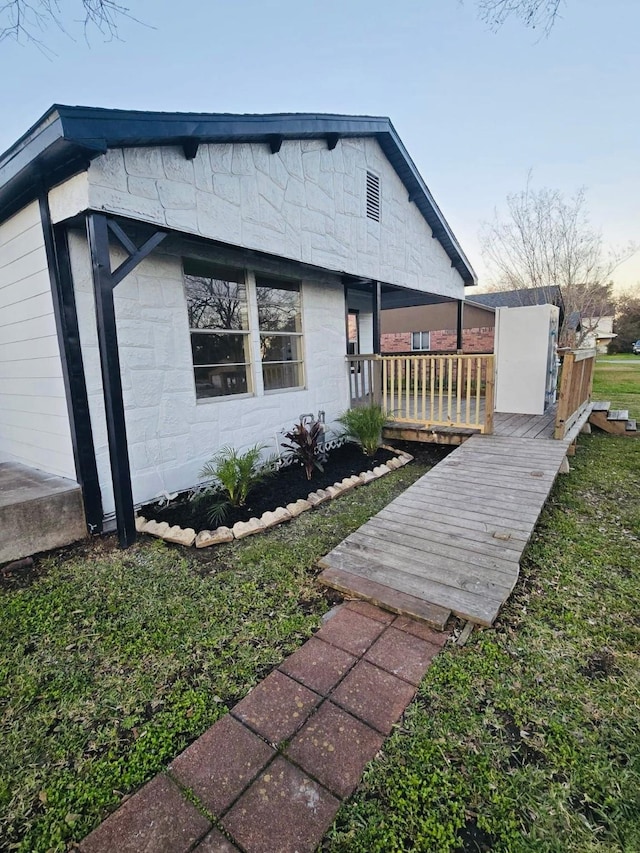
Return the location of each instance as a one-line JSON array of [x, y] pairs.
[[420, 340], [280, 321], [219, 323]]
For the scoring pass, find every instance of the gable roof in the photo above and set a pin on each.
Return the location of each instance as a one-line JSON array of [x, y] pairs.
[[66, 138], [517, 298]]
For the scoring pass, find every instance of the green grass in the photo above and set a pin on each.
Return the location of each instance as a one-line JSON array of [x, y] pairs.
[[526, 739], [111, 661], [618, 379]]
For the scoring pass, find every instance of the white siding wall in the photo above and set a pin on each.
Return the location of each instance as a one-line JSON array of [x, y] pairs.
[[171, 434], [305, 203], [34, 424]]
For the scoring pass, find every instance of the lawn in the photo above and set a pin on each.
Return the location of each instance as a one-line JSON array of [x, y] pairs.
[[617, 378], [526, 739], [112, 661]]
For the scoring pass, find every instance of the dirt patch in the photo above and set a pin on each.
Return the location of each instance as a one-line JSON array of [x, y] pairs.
[[473, 839], [600, 664]]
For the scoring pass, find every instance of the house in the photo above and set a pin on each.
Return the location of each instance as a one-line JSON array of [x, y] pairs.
[[598, 332], [433, 328], [444, 327], [171, 283]]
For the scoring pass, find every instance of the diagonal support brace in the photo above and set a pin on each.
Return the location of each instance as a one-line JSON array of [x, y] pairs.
[[104, 282]]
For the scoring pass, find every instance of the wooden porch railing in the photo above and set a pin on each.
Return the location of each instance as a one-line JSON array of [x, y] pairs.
[[431, 390], [576, 381]]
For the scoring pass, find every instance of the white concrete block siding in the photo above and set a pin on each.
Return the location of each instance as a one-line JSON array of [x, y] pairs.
[[170, 433], [304, 203], [34, 423]]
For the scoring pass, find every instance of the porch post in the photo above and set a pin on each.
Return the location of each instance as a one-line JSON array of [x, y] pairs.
[[459, 325], [103, 284], [104, 281], [377, 301]]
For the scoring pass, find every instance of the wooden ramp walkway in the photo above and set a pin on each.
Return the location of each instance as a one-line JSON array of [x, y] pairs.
[[452, 542]]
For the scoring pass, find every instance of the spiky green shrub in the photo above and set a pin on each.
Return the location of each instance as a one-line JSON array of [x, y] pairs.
[[364, 424], [234, 476]]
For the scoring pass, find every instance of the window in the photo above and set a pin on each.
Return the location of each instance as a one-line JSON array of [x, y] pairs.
[[420, 341], [219, 324], [373, 197], [280, 322]]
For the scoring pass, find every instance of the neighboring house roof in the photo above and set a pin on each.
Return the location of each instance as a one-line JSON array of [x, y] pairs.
[[517, 298], [66, 138]]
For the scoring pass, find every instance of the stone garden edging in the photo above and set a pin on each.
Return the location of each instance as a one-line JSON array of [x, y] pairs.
[[206, 538]]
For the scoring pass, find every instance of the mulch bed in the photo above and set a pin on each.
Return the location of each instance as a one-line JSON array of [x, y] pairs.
[[285, 486]]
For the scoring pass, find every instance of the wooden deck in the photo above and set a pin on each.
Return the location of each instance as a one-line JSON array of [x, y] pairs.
[[452, 542]]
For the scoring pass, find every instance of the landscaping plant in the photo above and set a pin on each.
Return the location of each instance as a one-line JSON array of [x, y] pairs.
[[234, 477], [306, 446], [365, 425]]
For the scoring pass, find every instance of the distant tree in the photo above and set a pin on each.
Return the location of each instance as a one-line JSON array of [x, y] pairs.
[[546, 240], [627, 321], [537, 14], [28, 20]]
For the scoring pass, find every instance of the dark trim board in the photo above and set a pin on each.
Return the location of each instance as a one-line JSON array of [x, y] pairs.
[[66, 319]]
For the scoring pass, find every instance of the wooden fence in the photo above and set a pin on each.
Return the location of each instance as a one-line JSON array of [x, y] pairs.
[[576, 382], [430, 390]]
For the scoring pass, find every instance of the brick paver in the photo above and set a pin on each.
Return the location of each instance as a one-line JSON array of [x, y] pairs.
[[402, 654], [318, 665], [157, 819], [282, 812], [422, 630], [221, 763], [350, 631], [371, 612], [335, 748], [215, 842], [327, 710], [277, 707], [376, 697]]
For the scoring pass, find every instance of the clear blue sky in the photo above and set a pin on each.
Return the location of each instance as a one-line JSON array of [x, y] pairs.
[[475, 109]]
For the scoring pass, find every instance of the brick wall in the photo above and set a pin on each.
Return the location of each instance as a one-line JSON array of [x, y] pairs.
[[444, 340]]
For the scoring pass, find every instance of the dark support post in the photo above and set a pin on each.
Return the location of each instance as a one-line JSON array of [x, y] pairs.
[[64, 302], [459, 325], [104, 282], [98, 234], [377, 302]]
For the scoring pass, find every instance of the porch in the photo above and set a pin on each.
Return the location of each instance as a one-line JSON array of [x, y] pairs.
[[452, 543]]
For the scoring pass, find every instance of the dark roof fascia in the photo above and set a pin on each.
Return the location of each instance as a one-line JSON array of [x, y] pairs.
[[66, 138], [480, 305]]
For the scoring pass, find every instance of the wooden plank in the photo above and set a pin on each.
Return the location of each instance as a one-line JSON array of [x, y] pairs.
[[430, 551], [400, 560], [465, 604], [463, 478], [470, 540], [472, 524], [524, 509], [478, 463], [462, 508], [386, 597]]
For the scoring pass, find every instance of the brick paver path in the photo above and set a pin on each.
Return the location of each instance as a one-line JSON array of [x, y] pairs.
[[269, 776]]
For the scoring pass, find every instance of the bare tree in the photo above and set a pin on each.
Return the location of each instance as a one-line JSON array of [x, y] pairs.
[[547, 241], [537, 14], [28, 20]]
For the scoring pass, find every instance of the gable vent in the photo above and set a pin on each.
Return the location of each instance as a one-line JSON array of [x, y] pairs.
[[373, 197]]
